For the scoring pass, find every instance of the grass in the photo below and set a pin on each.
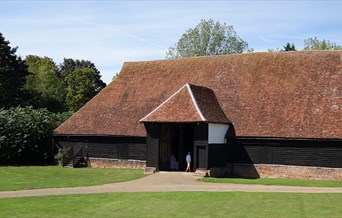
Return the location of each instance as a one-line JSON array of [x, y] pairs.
[[32, 177], [176, 204], [285, 182]]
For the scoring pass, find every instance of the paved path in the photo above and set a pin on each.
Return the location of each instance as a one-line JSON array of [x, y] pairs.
[[166, 182]]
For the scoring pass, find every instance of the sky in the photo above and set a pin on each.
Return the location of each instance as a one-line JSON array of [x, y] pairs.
[[109, 33]]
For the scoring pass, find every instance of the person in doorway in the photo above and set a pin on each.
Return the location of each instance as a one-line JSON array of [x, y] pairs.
[[188, 161], [173, 162]]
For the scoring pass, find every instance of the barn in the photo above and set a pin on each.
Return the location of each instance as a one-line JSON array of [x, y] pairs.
[[254, 115]]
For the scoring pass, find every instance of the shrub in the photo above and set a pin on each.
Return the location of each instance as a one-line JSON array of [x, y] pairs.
[[25, 135], [60, 155]]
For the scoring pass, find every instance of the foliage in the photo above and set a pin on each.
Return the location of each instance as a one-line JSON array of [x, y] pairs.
[[53, 88], [310, 44], [25, 135], [45, 85], [69, 65], [176, 204], [287, 47], [274, 181], [80, 87], [35, 177], [208, 38], [13, 72], [316, 44], [60, 156], [82, 82], [41, 83], [59, 118], [115, 76], [275, 50]]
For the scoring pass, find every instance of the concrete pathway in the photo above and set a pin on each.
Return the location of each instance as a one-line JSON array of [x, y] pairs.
[[166, 182]]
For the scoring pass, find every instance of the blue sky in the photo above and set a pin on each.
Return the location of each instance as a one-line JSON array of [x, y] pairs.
[[109, 33]]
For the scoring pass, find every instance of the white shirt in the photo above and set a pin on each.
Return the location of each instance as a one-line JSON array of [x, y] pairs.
[[188, 158]]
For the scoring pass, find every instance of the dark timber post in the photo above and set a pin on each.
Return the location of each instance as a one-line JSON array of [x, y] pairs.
[[152, 145]]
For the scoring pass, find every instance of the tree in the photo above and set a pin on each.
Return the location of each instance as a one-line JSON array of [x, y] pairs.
[[45, 85], [208, 38], [115, 76], [13, 72], [287, 47], [69, 65], [275, 50], [80, 87], [316, 44]]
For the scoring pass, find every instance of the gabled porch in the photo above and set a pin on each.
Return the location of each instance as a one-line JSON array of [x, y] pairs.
[[190, 120]]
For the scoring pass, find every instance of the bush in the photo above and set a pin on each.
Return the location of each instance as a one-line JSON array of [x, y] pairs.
[[60, 156], [26, 135]]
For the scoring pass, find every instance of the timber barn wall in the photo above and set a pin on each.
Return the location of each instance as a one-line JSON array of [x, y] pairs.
[[106, 146], [298, 152], [152, 145], [216, 155]]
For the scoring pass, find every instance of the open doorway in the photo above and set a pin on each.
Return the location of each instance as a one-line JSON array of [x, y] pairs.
[[175, 140]]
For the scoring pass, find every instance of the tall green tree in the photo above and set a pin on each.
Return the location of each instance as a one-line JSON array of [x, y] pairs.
[[82, 80], [45, 85], [70, 65], [80, 87], [13, 72], [289, 47], [316, 44], [208, 38]]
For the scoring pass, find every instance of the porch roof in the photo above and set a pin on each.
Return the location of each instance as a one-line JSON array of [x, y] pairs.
[[190, 103]]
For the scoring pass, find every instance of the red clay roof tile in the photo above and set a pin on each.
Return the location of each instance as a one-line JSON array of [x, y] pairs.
[[289, 94], [189, 104]]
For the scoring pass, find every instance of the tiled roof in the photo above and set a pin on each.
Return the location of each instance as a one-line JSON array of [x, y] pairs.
[[287, 94], [189, 104]]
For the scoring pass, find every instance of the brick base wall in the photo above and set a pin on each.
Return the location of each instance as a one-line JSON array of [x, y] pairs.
[[117, 163], [150, 170], [285, 171]]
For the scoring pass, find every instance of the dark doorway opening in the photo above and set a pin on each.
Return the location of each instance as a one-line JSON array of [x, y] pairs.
[[177, 140], [201, 157]]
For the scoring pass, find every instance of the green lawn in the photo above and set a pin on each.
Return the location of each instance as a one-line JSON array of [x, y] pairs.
[[32, 177], [286, 182], [176, 204]]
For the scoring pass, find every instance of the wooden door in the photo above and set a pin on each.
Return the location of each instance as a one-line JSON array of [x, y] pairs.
[[201, 157]]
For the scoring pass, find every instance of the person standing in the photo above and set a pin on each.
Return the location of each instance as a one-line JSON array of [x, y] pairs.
[[173, 162], [188, 161]]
